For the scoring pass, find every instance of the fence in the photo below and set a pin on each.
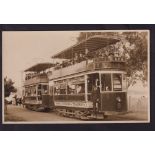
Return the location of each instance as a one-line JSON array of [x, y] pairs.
[[138, 104]]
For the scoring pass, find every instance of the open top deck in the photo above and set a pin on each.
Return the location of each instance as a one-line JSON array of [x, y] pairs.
[[91, 44], [36, 74], [95, 53]]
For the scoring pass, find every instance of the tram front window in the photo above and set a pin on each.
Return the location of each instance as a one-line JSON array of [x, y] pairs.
[[117, 82], [106, 82], [44, 89], [93, 80], [33, 90], [39, 86]]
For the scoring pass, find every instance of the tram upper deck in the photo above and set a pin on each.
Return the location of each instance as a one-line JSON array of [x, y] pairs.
[[36, 74], [90, 65], [95, 53], [36, 83]]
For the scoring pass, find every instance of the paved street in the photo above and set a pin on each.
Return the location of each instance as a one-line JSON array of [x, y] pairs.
[[23, 114], [18, 113]]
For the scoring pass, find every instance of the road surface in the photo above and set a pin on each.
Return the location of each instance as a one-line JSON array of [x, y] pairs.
[[20, 114]]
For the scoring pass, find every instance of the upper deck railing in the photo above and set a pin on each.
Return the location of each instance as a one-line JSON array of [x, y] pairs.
[[89, 65], [36, 79]]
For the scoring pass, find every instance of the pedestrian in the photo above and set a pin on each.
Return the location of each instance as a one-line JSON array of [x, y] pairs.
[[14, 100], [16, 103], [5, 106], [96, 99]]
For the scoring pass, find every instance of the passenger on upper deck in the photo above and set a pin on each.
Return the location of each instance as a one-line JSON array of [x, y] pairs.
[[108, 53]]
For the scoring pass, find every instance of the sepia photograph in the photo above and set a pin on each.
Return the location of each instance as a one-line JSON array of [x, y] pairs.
[[75, 77]]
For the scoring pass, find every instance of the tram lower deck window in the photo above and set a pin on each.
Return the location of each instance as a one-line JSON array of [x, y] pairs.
[[80, 88], [117, 82], [71, 88], [76, 88], [59, 91], [106, 82]]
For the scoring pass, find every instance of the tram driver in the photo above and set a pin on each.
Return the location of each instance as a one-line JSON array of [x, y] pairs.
[[96, 98]]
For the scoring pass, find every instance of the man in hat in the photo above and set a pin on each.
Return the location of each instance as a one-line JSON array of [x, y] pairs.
[[96, 99]]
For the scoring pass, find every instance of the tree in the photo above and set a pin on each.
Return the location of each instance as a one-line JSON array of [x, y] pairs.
[[137, 64], [8, 87], [135, 45]]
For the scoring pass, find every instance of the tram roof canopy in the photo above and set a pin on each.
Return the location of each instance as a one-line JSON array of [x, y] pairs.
[[39, 67], [92, 43]]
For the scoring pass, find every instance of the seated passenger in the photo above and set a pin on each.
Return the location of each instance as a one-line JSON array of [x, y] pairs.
[[78, 89], [76, 58], [116, 55], [110, 57], [80, 57], [107, 88]]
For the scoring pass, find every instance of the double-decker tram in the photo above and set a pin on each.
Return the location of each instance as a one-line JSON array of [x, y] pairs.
[[93, 63], [36, 87]]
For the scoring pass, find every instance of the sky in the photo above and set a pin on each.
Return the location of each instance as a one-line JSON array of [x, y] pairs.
[[22, 49]]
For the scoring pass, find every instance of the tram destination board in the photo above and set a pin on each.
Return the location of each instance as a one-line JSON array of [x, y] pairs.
[[90, 77]]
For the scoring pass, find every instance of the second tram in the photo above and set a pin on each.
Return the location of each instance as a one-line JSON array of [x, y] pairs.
[[36, 88]]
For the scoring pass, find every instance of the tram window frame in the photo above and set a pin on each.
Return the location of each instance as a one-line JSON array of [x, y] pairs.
[[92, 81], [33, 90], [26, 91], [117, 89], [76, 84], [51, 89], [82, 88], [43, 89], [72, 92], [39, 87], [124, 82], [58, 89], [103, 89], [89, 85]]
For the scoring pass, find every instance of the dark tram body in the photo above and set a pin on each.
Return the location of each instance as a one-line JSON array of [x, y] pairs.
[[87, 64], [36, 88]]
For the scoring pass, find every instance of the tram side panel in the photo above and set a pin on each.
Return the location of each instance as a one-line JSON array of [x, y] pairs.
[[80, 97], [47, 101], [114, 101]]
